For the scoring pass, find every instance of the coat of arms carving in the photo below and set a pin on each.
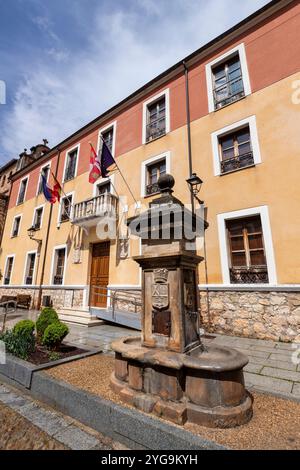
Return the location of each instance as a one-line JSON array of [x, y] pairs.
[[160, 289]]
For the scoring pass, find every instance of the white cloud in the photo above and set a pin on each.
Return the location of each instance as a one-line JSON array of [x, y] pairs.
[[124, 51]]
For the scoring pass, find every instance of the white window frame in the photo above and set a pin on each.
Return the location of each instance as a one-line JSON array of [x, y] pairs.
[[23, 179], [166, 94], [25, 267], [55, 248], [100, 181], [263, 211], [112, 125], [5, 268], [150, 161], [70, 150], [40, 176], [13, 224], [72, 193], [42, 206], [215, 136], [218, 61]]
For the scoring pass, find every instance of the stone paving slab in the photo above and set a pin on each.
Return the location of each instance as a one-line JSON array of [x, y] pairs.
[[269, 383], [296, 390], [281, 374]]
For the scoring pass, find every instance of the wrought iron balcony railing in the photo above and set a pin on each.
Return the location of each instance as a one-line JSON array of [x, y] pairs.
[[253, 275], [87, 212], [28, 280], [156, 129], [152, 189], [58, 280], [235, 163], [231, 91]]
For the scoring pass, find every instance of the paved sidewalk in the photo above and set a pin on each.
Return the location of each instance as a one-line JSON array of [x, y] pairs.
[[271, 367], [62, 428]]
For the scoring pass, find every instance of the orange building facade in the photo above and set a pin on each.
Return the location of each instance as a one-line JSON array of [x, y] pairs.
[[244, 102]]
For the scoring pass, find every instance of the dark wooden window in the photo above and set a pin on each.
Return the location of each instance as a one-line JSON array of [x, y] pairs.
[[3, 180], [228, 82], [45, 172], [16, 226], [71, 165], [23, 186], [108, 137], [236, 150], [8, 270], [59, 266], [38, 218], [103, 188], [156, 119], [247, 252], [30, 269], [66, 207], [154, 171]]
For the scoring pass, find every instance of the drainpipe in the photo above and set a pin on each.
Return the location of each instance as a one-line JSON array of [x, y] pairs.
[[39, 299], [188, 120]]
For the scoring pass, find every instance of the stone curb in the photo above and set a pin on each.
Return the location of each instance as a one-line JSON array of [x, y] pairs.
[[22, 371], [130, 427]]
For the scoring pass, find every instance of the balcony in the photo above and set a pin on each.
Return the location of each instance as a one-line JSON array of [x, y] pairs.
[[236, 163], [88, 212], [229, 92], [156, 129], [253, 275]]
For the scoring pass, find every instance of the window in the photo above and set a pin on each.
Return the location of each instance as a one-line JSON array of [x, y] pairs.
[[16, 226], [248, 261], [103, 188], [227, 82], [3, 180], [66, 208], [227, 78], [156, 121], [154, 171], [71, 164], [8, 269], [45, 171], [37, 220], [236, 146], [22, 191], [29, 269], [108, 137], [59, 266], [235, 150]]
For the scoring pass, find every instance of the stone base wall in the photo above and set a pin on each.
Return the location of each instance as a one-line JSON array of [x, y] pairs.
[[60, 297], [263, 315], [126, 299]]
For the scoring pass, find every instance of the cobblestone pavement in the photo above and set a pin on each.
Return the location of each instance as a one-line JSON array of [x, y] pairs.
[[273, 367], [27, 424]]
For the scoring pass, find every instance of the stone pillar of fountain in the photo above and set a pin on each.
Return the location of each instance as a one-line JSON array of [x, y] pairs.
[[167, 371]]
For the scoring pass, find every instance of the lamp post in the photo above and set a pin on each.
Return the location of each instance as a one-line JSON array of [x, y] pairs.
[[195, 184], [31, 232]]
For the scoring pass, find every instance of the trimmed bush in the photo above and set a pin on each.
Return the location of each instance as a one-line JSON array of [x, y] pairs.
[[24, 328], [54, 334], [20, 341], [47, 316]]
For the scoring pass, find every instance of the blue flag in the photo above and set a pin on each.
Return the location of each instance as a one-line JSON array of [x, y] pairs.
[[106, 160]]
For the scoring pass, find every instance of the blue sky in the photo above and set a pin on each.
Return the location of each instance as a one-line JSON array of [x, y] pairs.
[[64, 62]]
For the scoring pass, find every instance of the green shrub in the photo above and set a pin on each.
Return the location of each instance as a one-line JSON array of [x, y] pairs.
[[54, 356], [24, 328], [54, 334], [20, 345], [47, 316]]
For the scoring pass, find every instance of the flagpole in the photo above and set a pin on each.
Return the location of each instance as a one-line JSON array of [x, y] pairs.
[[122, 176]]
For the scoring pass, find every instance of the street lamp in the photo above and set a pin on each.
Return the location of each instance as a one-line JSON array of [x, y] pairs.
[[195, 184], [31, 232]]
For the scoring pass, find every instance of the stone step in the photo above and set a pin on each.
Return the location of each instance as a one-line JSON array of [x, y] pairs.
[[78, 316]]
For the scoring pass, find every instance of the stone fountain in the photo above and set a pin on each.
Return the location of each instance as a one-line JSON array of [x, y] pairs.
[[167, 371]]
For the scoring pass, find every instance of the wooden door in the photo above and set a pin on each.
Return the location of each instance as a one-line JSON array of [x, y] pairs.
[[99, 274]]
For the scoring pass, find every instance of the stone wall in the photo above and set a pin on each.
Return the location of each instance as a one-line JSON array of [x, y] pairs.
[[264, 315], [125, 299], [59, 297]]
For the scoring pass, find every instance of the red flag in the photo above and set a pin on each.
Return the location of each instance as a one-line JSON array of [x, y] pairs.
[[56, 188], [95, 166]]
